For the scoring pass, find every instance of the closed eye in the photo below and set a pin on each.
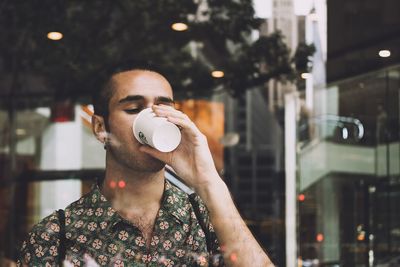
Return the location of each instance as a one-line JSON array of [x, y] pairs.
[[133, 110]]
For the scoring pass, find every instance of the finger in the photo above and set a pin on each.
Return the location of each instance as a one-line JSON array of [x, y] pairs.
[[166, 111], [184, 124], [165, 107], [176, 117]]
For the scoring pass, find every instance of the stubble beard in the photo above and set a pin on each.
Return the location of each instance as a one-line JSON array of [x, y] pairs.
[[139, 161]]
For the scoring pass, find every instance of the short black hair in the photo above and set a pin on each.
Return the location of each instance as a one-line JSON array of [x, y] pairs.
[[103, 92], [101, 98]]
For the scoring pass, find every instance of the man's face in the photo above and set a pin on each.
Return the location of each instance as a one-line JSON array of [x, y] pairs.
[[132, 92]]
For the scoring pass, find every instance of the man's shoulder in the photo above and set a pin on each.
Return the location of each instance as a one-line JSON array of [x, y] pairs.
[[42, 241], [50, 225], [88, 202]]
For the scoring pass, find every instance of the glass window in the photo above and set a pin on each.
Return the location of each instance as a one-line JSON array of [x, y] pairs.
[[348, 179]]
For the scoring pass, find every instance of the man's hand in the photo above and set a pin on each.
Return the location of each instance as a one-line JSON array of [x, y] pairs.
[[192, 159]]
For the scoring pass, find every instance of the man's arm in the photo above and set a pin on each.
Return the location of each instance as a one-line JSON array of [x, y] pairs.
[[193, 162], [237, 243]]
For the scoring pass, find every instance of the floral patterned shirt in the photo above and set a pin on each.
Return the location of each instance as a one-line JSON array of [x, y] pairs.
[[96, 235]]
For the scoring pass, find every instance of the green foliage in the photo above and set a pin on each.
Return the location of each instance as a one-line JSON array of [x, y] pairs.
[[302, 56], [100, 35], [266, 58], [302, 63]]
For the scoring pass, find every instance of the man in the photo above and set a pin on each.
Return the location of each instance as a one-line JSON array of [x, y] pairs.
[[146, 221]]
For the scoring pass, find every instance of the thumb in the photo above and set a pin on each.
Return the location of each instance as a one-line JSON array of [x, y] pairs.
[[153, 152]]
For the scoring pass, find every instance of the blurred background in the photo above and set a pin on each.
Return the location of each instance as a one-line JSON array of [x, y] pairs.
[[299, 100]]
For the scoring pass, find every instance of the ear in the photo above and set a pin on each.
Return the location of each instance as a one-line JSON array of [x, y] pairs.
[[99, 128]]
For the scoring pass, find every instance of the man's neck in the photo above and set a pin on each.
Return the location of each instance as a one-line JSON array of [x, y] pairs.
[[129, 190], [135, 195]]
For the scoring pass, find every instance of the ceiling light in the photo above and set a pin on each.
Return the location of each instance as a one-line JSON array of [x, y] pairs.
[[55, 36], [179, 26], [217, 74], [384, 53], [305, 75]]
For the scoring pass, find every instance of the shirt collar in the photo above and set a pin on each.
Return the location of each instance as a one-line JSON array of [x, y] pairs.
[[174, 203]]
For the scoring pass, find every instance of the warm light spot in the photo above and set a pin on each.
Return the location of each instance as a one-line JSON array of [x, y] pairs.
[[113, 184], [217, 74], [301, 197], [233, 257], [55, 36], [305, 75], [299, 262], [179, 27], [320, 237], [361, 237], [384, 53], [121, 184]]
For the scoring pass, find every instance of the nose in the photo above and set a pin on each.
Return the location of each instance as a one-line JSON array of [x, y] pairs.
[[149, 105]]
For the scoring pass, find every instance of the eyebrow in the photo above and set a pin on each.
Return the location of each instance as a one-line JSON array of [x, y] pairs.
[[158, 99]]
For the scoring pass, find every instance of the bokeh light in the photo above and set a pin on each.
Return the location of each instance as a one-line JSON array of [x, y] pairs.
[[361, 236], [384, 53], [121, 184], [55, 36], [305, 75], [217, 74], [320, 237], [233, 257], [179, 26], [113, 184]]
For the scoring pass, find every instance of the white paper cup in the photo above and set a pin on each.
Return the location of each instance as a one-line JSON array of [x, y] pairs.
[[155, 131]]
